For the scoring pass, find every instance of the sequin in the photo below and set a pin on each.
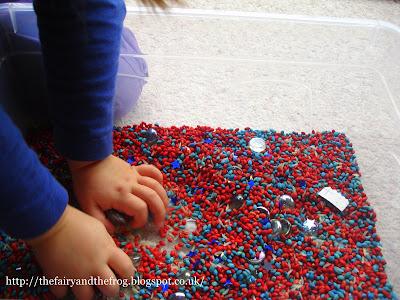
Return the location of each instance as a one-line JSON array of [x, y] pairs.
[[310, 227]]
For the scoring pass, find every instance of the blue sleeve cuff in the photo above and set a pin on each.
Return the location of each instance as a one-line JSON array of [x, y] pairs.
[[31, 199], [33, 216], [83, 148]]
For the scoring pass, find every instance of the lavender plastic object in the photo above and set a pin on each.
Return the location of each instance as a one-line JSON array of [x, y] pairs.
[[26, 70], [132, 72]]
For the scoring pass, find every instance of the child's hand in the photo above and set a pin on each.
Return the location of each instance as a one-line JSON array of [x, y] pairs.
[[78, 247], [113, 184]]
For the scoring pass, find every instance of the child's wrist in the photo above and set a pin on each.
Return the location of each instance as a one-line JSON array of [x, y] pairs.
[[76, 164], [52, 231]]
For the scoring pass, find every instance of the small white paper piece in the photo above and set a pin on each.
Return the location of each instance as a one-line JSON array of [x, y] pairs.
[[334, 197], [190, 225]]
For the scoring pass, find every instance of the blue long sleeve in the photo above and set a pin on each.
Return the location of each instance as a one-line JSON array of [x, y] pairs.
[[31, 200], [80, 44]]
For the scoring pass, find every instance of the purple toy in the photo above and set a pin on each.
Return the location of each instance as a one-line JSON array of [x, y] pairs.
[[132, 72], [23, 71]]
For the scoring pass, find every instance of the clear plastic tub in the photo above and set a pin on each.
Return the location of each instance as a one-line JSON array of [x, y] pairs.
[[233, 69]]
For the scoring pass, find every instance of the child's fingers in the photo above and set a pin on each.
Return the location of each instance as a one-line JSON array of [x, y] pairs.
[[153, 201], [121, 264], [83, 292], [132, 205], [110, 289], [59, 290], [150, 171], [98, 213], [156, 186]]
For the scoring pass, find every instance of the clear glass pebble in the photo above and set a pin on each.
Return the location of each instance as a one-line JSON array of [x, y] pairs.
[[117, 218], [286, 226], [257, 144], [276, 226], [178, 296], [136, 258], [264, 210], [151, 136], [286, 201], [236, 202], [258, 260]]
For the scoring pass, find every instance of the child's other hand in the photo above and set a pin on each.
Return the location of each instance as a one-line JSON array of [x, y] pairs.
[[114, 184], [79, 247]]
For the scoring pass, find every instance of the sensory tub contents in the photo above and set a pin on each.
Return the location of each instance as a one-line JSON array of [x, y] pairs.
[[253, 215]]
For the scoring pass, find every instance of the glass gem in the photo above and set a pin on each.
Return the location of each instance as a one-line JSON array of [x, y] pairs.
[[258, 260], [264, 210], [236, 202], [151, 136], [276, 226], [286, 226], [136, 258], [117, 218], [177, 296], [286, 201], [257, 144]]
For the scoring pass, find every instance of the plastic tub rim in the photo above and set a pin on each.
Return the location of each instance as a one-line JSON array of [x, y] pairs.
[[238, 14]]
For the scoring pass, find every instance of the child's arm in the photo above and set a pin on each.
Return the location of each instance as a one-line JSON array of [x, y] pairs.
[[33, 206], [80, 42], [32, 201]]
